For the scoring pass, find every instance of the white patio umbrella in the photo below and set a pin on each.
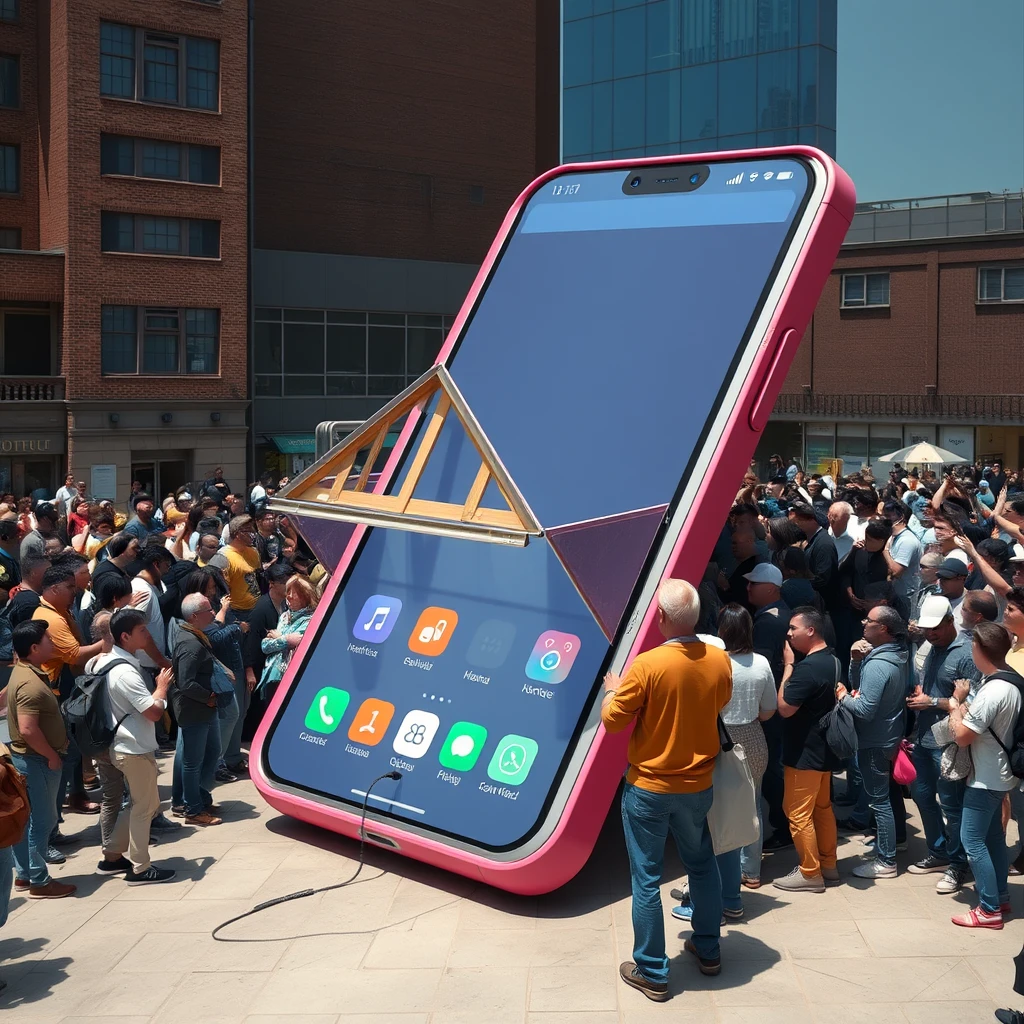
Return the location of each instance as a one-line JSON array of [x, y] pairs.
[[923, 454]]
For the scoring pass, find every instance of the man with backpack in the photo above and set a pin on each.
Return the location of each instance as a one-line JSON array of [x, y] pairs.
[[38, 740], [132, 711], [808, 693]]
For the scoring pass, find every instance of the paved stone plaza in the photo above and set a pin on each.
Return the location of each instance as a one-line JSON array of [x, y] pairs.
[[407, 944]]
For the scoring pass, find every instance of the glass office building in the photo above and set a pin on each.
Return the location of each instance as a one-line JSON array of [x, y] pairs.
[[688, 76]]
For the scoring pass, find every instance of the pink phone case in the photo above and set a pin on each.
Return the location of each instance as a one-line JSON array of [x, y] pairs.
[[573, 838]]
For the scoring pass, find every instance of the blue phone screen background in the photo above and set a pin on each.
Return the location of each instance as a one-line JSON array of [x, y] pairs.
[[592, 362]]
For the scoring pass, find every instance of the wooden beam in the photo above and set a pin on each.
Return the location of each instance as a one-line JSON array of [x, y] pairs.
[[424, 450], [476, 492]]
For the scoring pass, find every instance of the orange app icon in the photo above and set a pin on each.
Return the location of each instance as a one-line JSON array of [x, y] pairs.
[[433, 630], [371, 722]]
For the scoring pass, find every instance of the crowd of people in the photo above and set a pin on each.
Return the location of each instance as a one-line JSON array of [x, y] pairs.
[[187, 611], [853, 627]]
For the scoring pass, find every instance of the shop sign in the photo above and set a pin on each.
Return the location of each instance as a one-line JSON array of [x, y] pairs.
[[9, 446]]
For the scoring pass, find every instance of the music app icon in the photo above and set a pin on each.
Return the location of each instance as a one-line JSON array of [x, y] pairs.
[[377, 618]]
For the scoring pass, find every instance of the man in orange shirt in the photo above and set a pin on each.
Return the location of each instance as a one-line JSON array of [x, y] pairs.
[[673, 694]]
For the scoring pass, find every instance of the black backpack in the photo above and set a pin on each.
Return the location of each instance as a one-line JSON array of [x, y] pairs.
[[6, 637], [1015, 752], [87, 711]]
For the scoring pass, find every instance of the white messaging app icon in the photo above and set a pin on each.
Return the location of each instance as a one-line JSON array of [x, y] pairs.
[[415, 733]]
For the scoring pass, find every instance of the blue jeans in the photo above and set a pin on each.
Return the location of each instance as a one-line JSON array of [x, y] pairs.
[[647, 819], [70, 777], [195, 765], [981, 831], [875, 763], [43, 785], [227, 718], [6, 881], [937, 799]]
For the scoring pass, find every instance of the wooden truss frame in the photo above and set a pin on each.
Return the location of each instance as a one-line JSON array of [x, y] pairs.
[[351, 502]]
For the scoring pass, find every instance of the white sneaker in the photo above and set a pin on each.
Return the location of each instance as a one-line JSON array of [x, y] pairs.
[[875, 869]]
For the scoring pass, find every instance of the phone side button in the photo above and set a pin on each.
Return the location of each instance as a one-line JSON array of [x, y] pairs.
[[761, 407]]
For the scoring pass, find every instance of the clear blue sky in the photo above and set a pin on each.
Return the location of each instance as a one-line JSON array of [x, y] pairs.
[[931, 96]]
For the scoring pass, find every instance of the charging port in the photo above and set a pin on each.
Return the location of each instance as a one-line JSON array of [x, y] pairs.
[[379, 840]]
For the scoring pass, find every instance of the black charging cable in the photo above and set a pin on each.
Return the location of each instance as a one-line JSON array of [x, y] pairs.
[[266, 905]]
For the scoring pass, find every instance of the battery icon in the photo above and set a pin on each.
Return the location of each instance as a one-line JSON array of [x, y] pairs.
[[782, 175]]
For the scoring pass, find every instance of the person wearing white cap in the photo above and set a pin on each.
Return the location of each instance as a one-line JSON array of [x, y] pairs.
[[939, 800], [985, 495]]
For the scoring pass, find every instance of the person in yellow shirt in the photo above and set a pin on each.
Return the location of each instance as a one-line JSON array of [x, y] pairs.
[[239, 561], [672, 695]]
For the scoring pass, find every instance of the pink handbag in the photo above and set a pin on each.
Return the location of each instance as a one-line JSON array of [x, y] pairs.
[[903, 770]]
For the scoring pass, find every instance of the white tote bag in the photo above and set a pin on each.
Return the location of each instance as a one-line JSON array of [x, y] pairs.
[[733, 816]]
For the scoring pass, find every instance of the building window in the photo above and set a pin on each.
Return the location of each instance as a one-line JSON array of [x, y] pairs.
[[9, 169], [8, 10], [865, 290], [169, 341], [10, 82], [1000, 284], [159, 68], [153, 158], [10, 238], [306, 352], [167, 236]]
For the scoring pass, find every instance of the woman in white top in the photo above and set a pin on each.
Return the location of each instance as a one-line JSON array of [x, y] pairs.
[[987, 727], [754, 700]]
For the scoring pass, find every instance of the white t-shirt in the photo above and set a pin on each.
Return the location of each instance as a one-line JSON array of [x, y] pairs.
[[128, 697], [855, 529], [844, 544], [154, 619], [995, 706], [753, 689]]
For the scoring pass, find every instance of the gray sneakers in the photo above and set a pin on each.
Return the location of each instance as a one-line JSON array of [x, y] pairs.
[[796, 881], [952, 880], [875, 869]]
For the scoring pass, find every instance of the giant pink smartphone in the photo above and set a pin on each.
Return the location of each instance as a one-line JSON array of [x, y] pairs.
[[621, 348]]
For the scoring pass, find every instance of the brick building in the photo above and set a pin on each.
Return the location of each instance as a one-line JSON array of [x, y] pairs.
[[389, 141], [123, 242], [916, 337]]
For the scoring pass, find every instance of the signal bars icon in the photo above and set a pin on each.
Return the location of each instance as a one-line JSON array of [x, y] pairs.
[[736, 180]]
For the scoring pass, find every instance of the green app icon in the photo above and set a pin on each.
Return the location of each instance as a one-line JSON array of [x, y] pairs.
[[462, 748], [513, 759], [326, 711]]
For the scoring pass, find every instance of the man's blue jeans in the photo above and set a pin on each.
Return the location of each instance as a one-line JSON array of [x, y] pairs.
[[227, 720], [875, 763], [647, 820], [6, 881], [195, 765], [981, 831], [937, 799], [43, 785]]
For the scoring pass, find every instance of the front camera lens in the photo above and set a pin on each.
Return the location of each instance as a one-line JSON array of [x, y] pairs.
[[635, 183]]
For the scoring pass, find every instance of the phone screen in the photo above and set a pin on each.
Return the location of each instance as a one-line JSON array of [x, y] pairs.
[[594, 361]]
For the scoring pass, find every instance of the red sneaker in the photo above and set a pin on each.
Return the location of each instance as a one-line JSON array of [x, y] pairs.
[[978, 918]]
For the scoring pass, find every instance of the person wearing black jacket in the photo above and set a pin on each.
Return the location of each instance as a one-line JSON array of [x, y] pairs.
[[195, 708], [822, 558], [263, 618]]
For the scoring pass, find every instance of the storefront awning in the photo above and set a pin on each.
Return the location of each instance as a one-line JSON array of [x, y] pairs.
[[294, 444]]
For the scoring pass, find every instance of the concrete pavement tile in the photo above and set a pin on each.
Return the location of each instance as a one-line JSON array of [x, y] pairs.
[[225, 882], [643, 1011], [767, 1015], [495, 947], [472, 996], [166, 892], [299, 1018], [935, 938], [949, 1013], [996, 974], [493, 909], [555, 912], [190, 952], [219, 997], [882, 981], [503, 947], [890, 900], [254, 855], [573, 988], [320, 990], [326, 952], [55, 991], [751, 983], [830, 905], [827, 940], [568, 1017], [424, 943]]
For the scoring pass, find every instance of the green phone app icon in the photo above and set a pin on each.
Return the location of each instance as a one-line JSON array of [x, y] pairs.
[[513, 759], [326, 711], [462, 748]]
